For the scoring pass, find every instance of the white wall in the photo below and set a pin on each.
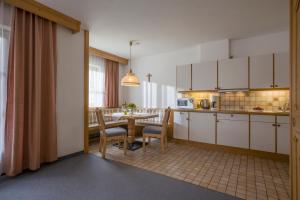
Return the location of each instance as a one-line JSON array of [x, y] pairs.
[[70, 91], [214, 50], [264, 44], [162, 92]]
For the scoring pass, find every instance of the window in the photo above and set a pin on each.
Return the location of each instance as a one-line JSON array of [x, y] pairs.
[[4, 44], [96, 81]]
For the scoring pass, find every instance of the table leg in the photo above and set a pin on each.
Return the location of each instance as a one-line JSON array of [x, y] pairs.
[[131, 130]]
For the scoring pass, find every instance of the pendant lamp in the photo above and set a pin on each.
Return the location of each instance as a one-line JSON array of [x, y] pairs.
[[130, 79]]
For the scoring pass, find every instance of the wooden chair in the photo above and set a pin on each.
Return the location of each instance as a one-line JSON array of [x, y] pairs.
[[158, 132], [109, 134]]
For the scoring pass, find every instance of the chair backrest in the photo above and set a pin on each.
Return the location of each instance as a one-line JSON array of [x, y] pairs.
[[165, 120], [100, 120]]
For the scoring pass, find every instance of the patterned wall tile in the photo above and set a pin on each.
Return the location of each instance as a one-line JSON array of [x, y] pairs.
[[267, 100]]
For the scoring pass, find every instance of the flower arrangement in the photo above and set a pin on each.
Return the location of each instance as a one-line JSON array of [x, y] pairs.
[[131, 107]]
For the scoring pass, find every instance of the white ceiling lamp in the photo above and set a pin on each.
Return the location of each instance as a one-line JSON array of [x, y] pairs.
[[130, 79]]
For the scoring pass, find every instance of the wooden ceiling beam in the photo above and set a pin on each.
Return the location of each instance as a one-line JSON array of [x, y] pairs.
[[109, 56], [47, 13]]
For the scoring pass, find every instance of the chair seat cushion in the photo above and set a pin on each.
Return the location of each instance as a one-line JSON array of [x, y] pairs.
[[152, 129], [117, 131]]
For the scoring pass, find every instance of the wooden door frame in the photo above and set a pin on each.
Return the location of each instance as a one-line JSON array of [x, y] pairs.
[[86, 91], [294, 7]]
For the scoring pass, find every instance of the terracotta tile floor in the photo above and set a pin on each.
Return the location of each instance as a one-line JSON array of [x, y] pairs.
[[246, 177]]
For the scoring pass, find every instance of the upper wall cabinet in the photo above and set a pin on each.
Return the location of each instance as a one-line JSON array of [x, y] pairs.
[[233, 73], [282, 70], [261, 71], [183, 77], [266, 72], [204, 76]]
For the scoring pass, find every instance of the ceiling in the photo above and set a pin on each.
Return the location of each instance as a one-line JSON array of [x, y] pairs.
[[166, 25]]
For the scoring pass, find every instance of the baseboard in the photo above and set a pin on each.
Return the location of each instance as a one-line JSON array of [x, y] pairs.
[[250, 152], [70, 155]]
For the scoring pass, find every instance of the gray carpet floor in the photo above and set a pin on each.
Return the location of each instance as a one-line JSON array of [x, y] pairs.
[[88, 177]]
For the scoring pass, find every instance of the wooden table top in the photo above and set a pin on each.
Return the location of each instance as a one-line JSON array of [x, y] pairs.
[[121, 116]]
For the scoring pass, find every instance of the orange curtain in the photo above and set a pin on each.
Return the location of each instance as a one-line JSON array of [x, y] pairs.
[[30, 131], [111, 84]]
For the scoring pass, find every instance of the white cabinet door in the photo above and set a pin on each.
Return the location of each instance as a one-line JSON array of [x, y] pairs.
[[282, 70], [183, 77], [202, 127], [262, 136], [204, 76], [283, 135], [233, 73], [181, 125], [283, 139], [233, 133], [261, 71]]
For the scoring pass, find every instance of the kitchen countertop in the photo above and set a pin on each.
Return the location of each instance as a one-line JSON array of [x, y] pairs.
[[253, 112]]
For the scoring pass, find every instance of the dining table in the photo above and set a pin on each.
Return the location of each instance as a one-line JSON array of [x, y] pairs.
[[131, 121]]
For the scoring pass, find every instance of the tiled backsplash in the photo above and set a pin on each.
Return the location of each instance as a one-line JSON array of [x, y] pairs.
[[267, 100]]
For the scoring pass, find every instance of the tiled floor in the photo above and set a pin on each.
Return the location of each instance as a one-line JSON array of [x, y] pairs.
[[243, 176]]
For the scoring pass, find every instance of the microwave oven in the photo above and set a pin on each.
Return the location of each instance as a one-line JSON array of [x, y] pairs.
[[187, 103]]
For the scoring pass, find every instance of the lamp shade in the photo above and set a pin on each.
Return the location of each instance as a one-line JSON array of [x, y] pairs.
[[130, 79]]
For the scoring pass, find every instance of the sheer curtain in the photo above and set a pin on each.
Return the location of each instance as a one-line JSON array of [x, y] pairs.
[[5, 15], [96, 81]]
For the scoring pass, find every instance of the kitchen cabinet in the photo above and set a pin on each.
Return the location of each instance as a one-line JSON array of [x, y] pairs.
[[233, 130], [202, 127], [233, 73], [183, 77], [262, 133], [282, 70], [261, 71], [283, 135], [269, 72], [204, 76], [181, 125]]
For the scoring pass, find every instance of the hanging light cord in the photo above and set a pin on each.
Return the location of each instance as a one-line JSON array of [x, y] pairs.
[[130, 44]]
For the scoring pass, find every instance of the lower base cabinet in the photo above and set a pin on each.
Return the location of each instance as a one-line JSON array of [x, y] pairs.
[[283, 139], [263, 133], [283, 135], [233, 130], [181, 125], [233, 133], [202, 127], [262, 136]]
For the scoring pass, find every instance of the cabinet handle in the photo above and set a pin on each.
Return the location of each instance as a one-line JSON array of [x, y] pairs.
[[275, 85], [278, 125], [274, 125], [271, 86], [217, 121], [231, 115], [187, 119]]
